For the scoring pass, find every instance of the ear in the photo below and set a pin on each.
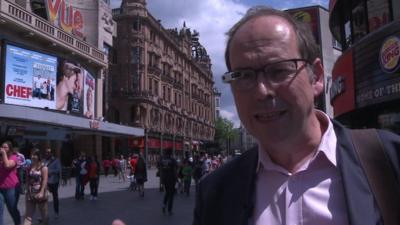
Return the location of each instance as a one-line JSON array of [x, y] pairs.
[[318, 77]]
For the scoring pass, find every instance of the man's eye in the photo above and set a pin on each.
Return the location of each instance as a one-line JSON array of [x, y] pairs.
[[246, 74]]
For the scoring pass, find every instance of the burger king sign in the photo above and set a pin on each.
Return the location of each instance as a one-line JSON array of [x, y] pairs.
[[389, 55]]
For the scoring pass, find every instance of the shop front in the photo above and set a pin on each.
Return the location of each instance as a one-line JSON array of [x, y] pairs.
[[366, 78]]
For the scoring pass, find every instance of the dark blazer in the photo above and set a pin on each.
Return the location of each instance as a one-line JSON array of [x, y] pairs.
[[226, 196]]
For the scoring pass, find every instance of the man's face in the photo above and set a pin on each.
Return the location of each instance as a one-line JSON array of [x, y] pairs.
[[271, 112], [71, 81], [48, 153]]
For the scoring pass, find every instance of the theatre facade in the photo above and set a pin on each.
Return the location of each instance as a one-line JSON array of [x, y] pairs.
[[54, 64], [366, 78]]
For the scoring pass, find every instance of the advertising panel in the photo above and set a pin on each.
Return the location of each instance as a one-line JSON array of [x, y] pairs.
[[29, 78], [70, 87], [309, 16], [377, 70], [342, 89], [378, 13], [89, 93]]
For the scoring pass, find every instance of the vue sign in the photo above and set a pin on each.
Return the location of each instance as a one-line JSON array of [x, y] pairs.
[[64, 15]]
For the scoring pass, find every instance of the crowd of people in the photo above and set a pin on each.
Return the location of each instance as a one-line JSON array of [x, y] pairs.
[[35, 177], [40, 175]]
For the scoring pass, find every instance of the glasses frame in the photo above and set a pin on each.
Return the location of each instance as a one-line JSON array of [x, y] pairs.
[[231, 76]]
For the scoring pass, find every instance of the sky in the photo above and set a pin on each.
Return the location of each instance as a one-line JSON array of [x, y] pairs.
[[212, 19]]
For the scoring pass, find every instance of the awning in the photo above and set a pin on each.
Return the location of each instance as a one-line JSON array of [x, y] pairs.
[[75, 123]]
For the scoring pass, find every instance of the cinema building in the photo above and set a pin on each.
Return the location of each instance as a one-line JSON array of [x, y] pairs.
[[54, 64], [161, 81], [366, 78]]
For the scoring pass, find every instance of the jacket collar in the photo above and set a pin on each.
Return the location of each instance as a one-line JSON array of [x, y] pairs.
[[361, 208]]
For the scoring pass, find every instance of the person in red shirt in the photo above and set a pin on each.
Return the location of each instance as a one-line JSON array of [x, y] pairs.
[[106, 166], [133, 163]]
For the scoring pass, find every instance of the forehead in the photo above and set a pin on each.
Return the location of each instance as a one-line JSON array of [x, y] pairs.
[[264, 36]]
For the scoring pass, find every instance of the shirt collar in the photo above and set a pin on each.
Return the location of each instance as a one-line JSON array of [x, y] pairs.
[[326, 147]]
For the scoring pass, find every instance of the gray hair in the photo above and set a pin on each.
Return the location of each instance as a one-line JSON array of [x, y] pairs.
[[308, 48]]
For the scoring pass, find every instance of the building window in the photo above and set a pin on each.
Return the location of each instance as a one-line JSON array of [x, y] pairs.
[[150, 85], [156, 88], [106, 48], [164, 93], [359, 20], [217, 102], [152, 37], [378, 13], [135, 55], [137, 26], [169, 94]]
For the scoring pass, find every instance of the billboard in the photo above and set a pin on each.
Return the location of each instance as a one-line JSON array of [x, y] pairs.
[[89, 94], [309, 16], [70, 87], [29, 78]]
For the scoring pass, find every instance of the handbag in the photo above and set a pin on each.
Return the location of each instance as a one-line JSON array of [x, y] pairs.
[[379, 173], [42, 199]]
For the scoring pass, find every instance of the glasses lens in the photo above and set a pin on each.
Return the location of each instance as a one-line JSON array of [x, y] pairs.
[[245, 79], [281, 71]]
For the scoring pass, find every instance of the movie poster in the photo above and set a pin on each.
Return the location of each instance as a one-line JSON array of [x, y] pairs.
[[30, 78], [70, 87], [89, 95]]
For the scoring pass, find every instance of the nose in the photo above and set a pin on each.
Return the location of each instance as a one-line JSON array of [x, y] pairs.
[[264, 89]]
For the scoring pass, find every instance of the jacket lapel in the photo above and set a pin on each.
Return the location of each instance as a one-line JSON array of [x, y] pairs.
[[361, 208], [240, 209]]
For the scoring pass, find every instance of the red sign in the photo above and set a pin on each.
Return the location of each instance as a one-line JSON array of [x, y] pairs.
[[343, 74], [94, 124], [18, 91]]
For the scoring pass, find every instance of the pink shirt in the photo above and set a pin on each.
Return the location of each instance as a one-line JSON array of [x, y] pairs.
[[313, 195], [8, 177]]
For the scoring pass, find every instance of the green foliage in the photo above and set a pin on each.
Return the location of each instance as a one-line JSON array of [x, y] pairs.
[[224, 131]]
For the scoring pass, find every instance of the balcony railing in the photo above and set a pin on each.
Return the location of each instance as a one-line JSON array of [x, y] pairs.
[[14, 14]]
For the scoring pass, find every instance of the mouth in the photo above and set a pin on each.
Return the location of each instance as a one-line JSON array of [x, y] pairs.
[[269, 116]]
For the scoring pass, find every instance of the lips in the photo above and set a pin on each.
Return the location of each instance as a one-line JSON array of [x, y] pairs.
[[269, 116]]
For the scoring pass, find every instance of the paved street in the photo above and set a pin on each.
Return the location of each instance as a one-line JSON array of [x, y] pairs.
[[116, 202]]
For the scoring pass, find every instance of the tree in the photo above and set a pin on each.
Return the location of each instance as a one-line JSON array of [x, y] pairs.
[[224, 132]]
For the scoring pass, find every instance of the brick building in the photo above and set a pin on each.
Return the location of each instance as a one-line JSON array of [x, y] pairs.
[[161, 81]]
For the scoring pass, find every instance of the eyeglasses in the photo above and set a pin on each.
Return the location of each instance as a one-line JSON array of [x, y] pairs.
[[276, 73]]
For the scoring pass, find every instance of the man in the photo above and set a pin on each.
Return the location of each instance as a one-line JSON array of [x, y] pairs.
[[305, 169], [81, 168], [168, 173], [54, 173]]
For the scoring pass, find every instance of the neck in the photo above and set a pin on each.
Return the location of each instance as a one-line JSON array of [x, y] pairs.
[[292, 154]]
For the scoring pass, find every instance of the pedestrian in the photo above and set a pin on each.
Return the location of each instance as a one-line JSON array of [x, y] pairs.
[[115, 166], [20, 170], [140, 174], [81, 168], [9, 183], [169, 170], [122, 168], [305, 169], [106, 166], [37, 194], [94, 176], [187, 176], [53, 165], [197, 169]]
